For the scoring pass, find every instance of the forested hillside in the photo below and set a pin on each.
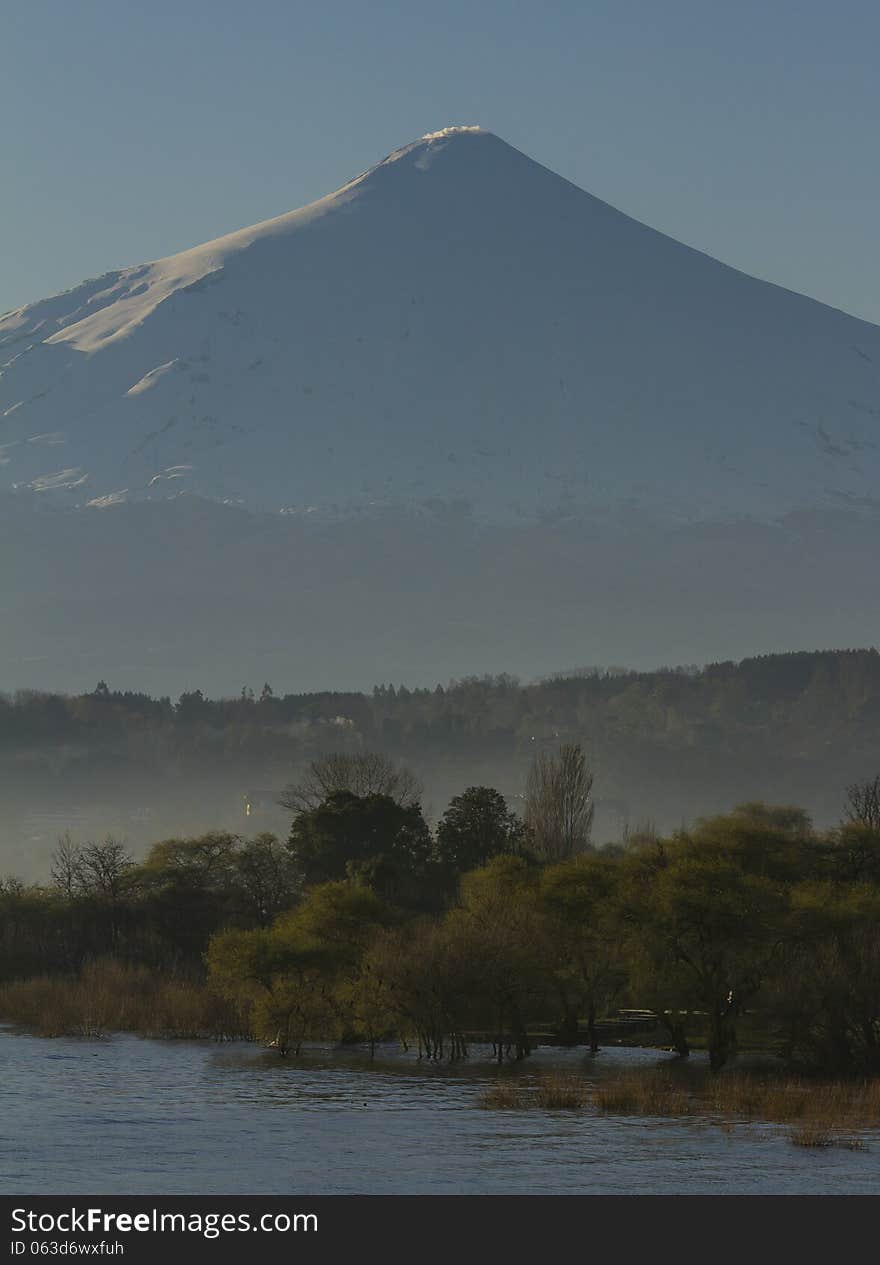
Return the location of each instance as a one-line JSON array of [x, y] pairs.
[[665, 746]]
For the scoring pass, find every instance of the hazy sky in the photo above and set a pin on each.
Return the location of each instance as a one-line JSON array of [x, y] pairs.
[[134, 129]]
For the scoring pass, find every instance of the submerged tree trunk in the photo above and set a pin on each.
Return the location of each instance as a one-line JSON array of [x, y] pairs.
[[521, 1038], [871, 1059], [568, 1028], [592, 1036], [722, 1039], [676, 1030]]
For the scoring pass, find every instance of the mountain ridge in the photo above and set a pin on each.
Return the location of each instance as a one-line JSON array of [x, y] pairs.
[[456, 323]]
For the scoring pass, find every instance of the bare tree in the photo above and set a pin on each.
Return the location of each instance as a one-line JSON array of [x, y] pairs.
[[863, 803], [559, 803], [367, 773], [66, 866], [102, 868]]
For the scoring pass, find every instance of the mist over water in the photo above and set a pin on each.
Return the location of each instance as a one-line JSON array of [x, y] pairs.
[[665, 748]]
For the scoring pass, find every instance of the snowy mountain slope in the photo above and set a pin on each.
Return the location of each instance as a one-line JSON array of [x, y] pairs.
[[455, 323]]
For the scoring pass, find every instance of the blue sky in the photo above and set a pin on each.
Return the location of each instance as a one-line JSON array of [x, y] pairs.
[[134, 129]]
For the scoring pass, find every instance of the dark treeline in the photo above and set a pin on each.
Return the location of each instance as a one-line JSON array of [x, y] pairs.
[[669, 706], [365, 924]]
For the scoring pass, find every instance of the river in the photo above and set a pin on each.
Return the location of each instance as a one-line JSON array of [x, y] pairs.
[[133, 1116]]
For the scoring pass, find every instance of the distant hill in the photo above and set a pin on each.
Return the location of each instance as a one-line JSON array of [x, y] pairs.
[[665, 746]]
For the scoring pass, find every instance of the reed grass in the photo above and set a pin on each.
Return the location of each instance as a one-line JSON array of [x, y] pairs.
[[555, 1092], [551, 1092], [823, 1112], [504, 1095], [642, 1095], [110, 996]]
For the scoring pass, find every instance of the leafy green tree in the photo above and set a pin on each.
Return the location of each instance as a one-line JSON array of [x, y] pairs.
[[422, 977], [298, 975], [476, 827], [369, 837], [191, 889], [495, 929], [206, 861], [826, 996], [580, 944], [38, 934], [707, 919], [277, 974]]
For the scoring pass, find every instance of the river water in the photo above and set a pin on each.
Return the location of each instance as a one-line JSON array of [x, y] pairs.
[[131, 1116]]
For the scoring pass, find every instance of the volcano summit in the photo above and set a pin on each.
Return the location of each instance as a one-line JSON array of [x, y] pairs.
[[456, 323]]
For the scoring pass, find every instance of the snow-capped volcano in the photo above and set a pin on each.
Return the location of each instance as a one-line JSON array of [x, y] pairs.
[[575, 440], [455, 323]]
